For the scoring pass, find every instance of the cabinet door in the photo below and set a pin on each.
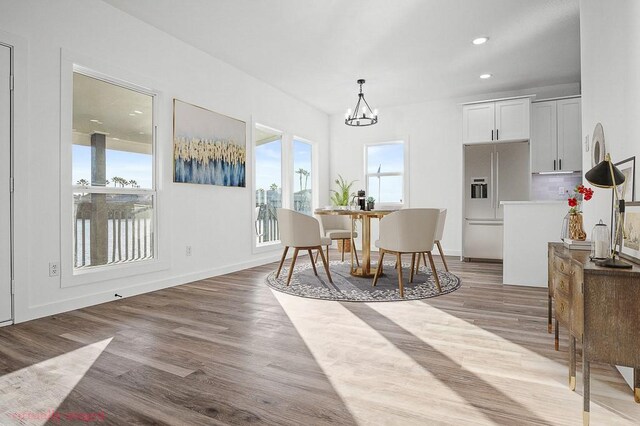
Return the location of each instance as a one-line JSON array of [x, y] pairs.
[[544, 141], [478, 122], [569, 134], [512, 119]]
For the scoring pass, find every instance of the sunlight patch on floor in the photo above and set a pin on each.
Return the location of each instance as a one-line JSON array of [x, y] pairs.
[[378, 382], [527, 377], [28, 394]]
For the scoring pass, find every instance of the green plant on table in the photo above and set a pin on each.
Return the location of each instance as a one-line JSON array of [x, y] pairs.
[[343, 195]]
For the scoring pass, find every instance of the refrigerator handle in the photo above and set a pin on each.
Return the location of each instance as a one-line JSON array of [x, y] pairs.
[[497, 181], [491, 183]]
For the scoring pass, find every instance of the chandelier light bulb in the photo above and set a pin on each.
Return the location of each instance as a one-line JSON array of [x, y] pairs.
[[375, 112]]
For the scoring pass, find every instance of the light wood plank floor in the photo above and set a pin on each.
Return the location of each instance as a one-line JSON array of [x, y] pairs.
[[228, 350]]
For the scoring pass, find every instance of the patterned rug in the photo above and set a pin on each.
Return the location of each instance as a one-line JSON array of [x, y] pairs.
[[346, 287]]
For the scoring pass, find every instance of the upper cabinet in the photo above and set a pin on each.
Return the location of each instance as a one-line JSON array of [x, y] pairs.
[[506, 120], [556, 136]]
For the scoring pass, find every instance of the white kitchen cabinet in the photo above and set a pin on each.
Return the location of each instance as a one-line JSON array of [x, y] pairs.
[[502, 120], [556, 136]]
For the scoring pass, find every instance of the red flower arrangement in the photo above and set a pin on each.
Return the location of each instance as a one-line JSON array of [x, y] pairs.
[[580, 192]]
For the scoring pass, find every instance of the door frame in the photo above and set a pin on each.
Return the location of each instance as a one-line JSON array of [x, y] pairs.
[[19, 201], [11, 177]]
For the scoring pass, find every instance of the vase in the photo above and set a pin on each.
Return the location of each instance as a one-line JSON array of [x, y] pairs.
[[576, 227]]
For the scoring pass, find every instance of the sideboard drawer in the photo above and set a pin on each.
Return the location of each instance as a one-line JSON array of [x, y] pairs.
[[562, 283], [562, 309], [562, 265]]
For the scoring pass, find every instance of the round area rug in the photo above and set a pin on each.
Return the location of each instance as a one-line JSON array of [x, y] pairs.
[[346, 287]]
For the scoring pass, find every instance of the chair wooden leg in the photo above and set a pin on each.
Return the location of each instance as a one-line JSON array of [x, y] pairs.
[[418, 263], [379, 270], [315, 260], [326, 265], [312, 262], [434, 271], [355, 252], [284, 255], [400, 285], [444, 261], [293, 262], [328, 252], [424, 257], [343, 240], [413, 262]]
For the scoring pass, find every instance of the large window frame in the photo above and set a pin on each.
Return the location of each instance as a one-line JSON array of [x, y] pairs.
[[71, 276], [287, 177], [404, 174]]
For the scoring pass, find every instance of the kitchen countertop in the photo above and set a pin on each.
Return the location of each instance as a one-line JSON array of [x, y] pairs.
[[506, 203]]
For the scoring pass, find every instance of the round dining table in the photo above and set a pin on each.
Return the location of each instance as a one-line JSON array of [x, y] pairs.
[[365, 269]]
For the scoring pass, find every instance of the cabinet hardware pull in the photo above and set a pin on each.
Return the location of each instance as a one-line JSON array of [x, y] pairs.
[[560, 164], [491, 134], [554, 164], [497, 134]]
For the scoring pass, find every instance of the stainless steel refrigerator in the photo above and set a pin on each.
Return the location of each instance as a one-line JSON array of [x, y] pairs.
[[492, 173]]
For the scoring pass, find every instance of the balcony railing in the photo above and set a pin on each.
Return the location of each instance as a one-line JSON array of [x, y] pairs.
[[267, 224], [129, 234]]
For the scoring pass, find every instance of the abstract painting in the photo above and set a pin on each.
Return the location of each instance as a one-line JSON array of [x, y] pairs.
[[208, 148]]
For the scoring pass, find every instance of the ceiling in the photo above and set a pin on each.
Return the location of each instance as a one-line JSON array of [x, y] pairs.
[[120, 113], [408, 51]]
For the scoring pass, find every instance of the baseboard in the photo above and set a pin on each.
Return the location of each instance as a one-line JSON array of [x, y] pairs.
[[39, 311]]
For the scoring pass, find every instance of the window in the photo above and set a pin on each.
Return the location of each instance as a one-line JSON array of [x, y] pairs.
[[114, 217], [302, 177], [283, 178], [385, 169], [268, 183]]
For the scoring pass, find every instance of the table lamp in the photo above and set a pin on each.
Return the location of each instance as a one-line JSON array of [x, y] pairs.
[[606, 175]]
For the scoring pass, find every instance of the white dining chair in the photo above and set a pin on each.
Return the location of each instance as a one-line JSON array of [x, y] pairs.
[[336, 228], [408, 231], [438, 237], [301, 232]]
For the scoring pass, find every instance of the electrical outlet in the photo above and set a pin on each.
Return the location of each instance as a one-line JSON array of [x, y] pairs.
[[188, 251], [586, 143], [561, 190], [54, 269]]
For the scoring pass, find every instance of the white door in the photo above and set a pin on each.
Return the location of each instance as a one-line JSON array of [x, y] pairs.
[[5, 195], [512, 119], [569, 135], [478, 123], [544, 137]]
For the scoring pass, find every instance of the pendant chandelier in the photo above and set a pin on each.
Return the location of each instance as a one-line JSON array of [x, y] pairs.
[[362, 115]]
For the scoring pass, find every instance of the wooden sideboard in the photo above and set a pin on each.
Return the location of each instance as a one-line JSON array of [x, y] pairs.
[[600, 307]]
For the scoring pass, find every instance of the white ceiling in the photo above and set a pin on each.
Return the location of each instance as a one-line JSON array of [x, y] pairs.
[[407, 50]]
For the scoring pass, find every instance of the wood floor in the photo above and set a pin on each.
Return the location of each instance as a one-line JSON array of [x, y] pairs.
[[228, 350]]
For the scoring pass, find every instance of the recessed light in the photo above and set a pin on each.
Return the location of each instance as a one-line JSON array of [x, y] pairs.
[[132, 114], [142, 133], [486, 76], [480, 40], [94, 121], [137, 112], [116, 139]]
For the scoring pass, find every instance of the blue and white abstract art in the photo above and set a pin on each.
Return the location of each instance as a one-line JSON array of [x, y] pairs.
[[208, 148]]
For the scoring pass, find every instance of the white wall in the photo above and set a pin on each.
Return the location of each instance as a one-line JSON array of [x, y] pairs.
[[434, 132], [610, 62], [215, 221]]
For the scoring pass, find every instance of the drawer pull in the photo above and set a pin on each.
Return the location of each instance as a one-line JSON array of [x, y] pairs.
[[562, 266]]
